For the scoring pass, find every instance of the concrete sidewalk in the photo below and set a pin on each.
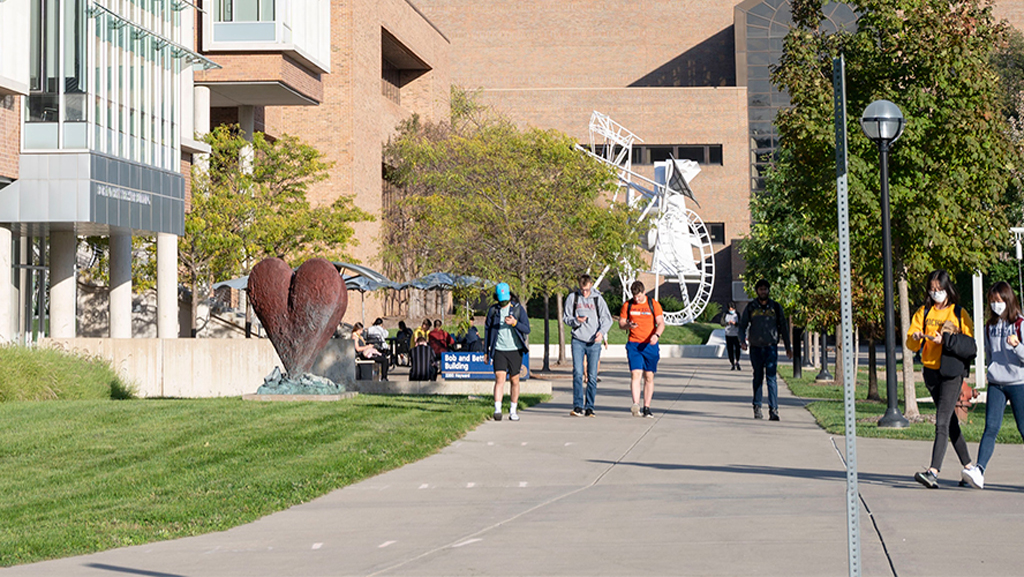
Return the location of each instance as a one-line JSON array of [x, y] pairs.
[[702, 489]]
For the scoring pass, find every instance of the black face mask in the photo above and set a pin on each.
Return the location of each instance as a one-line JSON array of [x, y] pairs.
[[503, 303]]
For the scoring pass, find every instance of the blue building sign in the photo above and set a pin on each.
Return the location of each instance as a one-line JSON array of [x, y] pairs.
[[471, 366]]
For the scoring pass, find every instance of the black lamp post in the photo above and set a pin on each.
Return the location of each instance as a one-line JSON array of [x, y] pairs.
[[883, 123]]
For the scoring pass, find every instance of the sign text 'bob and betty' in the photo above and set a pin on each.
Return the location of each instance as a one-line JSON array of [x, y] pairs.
[[471, 366]]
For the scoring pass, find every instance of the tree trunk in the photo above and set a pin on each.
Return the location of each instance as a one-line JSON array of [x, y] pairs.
[[194, 313], [547, 333], [909, 393], [559, 311], [856, 350], [839, 377], [872, 370]]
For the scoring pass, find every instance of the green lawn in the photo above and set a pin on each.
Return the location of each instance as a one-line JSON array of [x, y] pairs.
[[830, 412], [83, 476]]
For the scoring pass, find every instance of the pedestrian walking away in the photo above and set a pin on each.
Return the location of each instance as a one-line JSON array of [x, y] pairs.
[[645, 320], [506, 331], [587, 314], [761, 325], [1004, 358], [731, 320], [941, 330]]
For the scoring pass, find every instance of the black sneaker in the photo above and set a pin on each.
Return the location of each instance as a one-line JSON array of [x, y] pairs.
[[497, 416], [648, 413], [590, 413], [576, 412], [757, 413], [773, 415], [927, 479]]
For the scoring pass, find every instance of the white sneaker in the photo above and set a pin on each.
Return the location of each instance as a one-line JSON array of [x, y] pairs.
[[972, 476], [635, 409], [513, 416]]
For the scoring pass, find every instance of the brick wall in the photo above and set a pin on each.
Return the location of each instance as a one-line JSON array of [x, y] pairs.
[[10, 135], [354, 119]]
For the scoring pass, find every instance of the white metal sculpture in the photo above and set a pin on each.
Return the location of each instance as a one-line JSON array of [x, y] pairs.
[[678, 238]]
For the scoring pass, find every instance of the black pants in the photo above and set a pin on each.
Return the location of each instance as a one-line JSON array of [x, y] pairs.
[[732, 344], [945, 392]]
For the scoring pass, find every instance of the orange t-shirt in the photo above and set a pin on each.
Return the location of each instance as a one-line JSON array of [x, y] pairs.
[[643, 315]]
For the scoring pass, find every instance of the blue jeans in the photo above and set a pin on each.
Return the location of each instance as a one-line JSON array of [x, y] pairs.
[[995, 406], [592, 353], [765, 361]]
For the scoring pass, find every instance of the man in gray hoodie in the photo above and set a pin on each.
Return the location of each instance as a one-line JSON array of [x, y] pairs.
[[588, 316]]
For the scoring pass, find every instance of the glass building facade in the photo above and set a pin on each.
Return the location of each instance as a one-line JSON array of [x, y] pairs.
[[761, 26]]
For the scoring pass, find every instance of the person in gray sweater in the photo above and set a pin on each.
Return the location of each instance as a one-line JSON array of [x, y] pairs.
[[1004, 356], [588, 316]]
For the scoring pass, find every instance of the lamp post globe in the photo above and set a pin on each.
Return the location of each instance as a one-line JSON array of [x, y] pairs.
[[883, 123]]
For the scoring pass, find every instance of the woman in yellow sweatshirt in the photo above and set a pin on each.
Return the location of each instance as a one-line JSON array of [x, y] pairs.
[[942, 305]]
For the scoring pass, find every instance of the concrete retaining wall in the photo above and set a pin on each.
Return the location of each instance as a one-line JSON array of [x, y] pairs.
[[194, 368]]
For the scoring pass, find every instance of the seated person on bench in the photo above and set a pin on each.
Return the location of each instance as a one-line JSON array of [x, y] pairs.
[[424, 362], [367, 351]]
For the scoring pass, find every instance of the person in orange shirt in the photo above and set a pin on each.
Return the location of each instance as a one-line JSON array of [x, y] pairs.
[[645, 321], [926, 334]]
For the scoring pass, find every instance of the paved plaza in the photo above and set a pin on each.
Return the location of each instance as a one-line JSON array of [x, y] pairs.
[[701, 489]]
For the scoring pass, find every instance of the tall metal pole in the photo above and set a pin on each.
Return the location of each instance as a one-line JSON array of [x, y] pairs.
[[846, 300], [892, 418]]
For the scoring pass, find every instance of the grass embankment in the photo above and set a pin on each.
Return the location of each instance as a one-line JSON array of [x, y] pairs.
[[830, 412], [83, 473], [691, 334], [84, 476], [38, 374]]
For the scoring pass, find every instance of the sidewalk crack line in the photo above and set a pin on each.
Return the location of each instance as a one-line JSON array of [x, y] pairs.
[[874, 522], [597, 480]]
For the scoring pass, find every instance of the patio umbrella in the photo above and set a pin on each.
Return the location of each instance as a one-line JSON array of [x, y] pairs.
[[363, 284]]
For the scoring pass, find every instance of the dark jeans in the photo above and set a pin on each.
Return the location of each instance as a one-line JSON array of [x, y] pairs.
[[732, 344], [765, 361], [995, 406], [945, 392]]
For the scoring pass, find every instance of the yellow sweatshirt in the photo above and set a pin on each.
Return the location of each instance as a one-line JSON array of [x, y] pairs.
[[931, 356]]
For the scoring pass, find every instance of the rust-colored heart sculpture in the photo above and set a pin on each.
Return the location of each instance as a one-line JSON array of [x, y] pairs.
[[299, 309]]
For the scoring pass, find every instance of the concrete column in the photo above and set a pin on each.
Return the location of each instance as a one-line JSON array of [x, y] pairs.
[[201, 110], [166, 286], [121, 284], [6, 287], [63, 292], [247, 121]]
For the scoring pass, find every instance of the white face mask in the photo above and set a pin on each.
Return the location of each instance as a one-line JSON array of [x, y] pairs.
[[938, 296], [998, 308]]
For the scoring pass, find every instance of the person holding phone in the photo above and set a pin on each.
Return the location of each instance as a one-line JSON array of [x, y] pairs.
[[940, 316], [506, 331], [588, 316], [645, 321], [761, 325]]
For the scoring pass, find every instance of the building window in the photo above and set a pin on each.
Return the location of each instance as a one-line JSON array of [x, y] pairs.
[[244, 11], [716, 230], [651, 153], [391, 82]]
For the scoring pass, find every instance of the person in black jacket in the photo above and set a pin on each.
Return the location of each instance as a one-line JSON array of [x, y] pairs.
[[761, 324]]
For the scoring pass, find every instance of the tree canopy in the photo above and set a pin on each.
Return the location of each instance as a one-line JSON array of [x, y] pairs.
[[480, 196], [249, 202], [953, 174]]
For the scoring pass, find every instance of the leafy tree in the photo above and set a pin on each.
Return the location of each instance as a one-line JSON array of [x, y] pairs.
[[478, 195], [249, 203], [953, 174]]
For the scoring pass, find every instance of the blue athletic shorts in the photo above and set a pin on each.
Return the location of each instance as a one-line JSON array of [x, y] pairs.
[[643, 356]]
